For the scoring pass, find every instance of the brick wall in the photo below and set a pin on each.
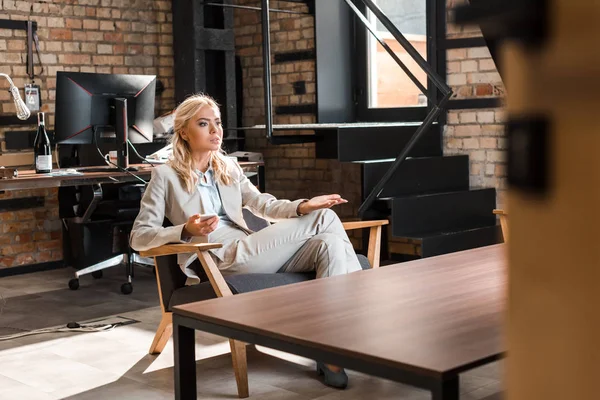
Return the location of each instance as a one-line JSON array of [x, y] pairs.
[[291, 170], [478, 133], [104, 36]]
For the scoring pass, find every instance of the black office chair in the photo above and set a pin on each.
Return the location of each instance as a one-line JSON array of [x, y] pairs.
[[97, 235]]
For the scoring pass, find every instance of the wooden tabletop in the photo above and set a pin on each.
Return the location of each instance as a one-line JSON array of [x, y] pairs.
[[434, 316], [28, 179]]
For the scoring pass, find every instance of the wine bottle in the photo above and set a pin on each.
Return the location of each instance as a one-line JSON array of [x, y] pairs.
[[42, 149]]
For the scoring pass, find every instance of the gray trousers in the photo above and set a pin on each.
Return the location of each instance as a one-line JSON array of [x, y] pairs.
[[314, 242]]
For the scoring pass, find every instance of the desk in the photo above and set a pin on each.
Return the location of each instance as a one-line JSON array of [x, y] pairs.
[[421, 322], [28, 179]]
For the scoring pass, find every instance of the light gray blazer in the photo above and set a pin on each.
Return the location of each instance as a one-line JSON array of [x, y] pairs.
[[166, 196]]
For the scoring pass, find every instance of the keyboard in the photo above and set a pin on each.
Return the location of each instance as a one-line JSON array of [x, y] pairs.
[[98, 169]]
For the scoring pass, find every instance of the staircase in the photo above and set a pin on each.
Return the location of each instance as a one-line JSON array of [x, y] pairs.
[[428, 198], [406, 177]]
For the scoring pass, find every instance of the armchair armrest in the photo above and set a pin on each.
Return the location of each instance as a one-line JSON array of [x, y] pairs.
[[374, 237], [214, 275], [177, 248], [364, 224]]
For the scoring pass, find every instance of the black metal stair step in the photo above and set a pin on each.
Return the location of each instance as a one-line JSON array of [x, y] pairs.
[[450, 241], [419, 176], [456, 211], [367, 142]]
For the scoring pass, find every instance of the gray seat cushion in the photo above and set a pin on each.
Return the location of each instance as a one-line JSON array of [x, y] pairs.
[[243, 283]]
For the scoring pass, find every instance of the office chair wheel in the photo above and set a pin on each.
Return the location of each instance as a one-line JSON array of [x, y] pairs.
[[126, 288], [74, 284], [97, 274]]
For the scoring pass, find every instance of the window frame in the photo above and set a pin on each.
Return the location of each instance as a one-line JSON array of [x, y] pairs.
[[435, 32]]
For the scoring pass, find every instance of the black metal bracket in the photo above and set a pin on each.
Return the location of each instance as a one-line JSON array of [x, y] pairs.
[[12, 24]]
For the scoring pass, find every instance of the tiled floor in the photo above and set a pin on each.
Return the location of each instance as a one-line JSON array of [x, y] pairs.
[[115, 364]]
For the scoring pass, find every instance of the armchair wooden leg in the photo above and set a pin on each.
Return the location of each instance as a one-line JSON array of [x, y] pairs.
[[238, 349], [504, 224], [374, 251], [240, 367], [163, 333]]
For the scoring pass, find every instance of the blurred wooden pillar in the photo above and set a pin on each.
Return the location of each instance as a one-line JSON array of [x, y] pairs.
[[554, 248]]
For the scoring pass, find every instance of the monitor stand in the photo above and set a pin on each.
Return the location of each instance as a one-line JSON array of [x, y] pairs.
[[121, 127]]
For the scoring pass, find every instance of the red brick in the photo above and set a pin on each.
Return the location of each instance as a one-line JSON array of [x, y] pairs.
[[23, 238], [7, 216], [24, 259], [16, 227], [484, 90], [107, 25], [44, 256], [90, 24], [108, 60], [7, 261], [60, 34], [75, 59], [73, 23], [40, 236], [50, 245], [135, 49], [113, 37], [14, 249], [79, 35]]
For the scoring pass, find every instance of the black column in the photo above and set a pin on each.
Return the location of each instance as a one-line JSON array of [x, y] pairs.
[[204, 51]]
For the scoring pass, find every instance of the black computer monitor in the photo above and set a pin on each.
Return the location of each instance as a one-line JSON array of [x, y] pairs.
[[92, 107]]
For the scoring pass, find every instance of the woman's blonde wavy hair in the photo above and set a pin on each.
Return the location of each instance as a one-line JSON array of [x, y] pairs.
[[182, 161]]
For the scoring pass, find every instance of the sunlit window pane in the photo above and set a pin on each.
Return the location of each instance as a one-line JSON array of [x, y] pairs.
[[388, 85]]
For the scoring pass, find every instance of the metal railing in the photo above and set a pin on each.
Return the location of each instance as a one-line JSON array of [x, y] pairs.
[[436, 106]]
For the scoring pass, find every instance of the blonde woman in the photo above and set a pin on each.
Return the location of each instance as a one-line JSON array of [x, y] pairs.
[[200, 180]]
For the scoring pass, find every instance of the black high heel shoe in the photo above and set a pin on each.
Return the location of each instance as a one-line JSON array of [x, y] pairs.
[[338, 380]]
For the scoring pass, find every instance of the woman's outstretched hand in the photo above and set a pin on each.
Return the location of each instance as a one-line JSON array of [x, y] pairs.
[[196, 227], [319, 202]]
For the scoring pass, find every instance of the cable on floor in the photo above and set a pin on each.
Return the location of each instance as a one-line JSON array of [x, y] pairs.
[[70, 327]]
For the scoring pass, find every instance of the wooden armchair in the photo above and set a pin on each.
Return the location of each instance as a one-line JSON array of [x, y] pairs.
[[503, 223], [172, 290]]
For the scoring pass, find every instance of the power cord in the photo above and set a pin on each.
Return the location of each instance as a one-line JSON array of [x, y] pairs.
[[56, 155], [70, 327], [112, 163], [144, 159]]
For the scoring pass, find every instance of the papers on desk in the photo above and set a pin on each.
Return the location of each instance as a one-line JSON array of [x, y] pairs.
[[156, 161], [63, 172]]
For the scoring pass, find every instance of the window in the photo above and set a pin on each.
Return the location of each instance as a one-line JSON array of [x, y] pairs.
[[387, 85]]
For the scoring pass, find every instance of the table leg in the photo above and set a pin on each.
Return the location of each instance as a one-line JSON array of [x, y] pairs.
[[446, 389], [185, 362]]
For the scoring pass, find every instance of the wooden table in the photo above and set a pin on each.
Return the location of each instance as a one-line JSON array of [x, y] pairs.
[[421, 323], [28, 179]]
